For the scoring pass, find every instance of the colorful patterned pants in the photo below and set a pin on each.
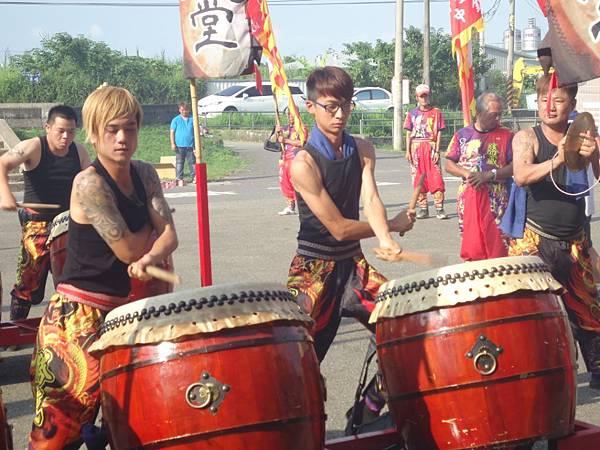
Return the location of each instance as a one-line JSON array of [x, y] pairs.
[[569, 263], [331, 290], [33, 262], [421, 154], [64, 377]]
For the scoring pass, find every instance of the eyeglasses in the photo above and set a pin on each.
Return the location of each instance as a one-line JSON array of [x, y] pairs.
[[333, 108], [423, 95]]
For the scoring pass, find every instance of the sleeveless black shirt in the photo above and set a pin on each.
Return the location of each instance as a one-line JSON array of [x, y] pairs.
[[51, 181], [342, 179], [91, 264], [548, 210]]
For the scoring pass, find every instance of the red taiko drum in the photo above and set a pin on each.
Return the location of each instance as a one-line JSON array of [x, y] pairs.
[[5, 429], [223, 367], [57, 241], [477, 355]]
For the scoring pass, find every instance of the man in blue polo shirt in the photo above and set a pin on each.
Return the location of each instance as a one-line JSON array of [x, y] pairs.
[[182, 142]]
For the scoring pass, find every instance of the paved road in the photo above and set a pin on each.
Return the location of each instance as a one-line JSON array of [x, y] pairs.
[[250, 242]]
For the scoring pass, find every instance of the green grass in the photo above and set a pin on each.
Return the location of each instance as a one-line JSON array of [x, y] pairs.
[[154, 142]]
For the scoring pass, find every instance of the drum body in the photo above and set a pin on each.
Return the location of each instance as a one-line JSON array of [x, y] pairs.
[[57, 242], [494, 371], [5, 429], [214, 385]]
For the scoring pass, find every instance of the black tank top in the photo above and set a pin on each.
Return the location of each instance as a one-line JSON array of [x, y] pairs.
[[91, 264], [549, 210], [51, 181], [342, 179]]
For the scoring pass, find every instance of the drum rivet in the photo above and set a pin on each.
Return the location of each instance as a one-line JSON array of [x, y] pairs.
[[213, 409], [499, 349], [192, 396], [205, 375], [482, 338], [226, 388]]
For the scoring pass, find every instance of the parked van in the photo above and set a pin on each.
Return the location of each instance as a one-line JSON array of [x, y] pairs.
[[246, 98]]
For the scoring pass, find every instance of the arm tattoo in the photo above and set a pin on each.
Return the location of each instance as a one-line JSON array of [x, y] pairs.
[[100, 206], [524, 148], [17, 151], [154, 192]]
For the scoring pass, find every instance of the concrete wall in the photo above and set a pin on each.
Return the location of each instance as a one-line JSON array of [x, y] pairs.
[[33, 115]]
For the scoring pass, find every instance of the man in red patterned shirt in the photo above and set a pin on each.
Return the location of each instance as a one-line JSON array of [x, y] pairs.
[[423, 127]]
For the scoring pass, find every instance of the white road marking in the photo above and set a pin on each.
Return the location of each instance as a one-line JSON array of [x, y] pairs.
[[386, 183], [193, 194]]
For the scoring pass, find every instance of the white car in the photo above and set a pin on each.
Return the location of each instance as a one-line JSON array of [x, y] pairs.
[[373, 99], [246, 98]]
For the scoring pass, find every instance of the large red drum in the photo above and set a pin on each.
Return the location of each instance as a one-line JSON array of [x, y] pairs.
[[477, 355], [5, 429], [224, 367], [57, 241]]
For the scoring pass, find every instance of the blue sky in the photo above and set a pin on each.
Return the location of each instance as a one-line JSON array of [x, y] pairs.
[[299, 30]]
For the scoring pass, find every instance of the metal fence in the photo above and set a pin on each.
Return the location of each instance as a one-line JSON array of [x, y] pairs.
[[376, 126]]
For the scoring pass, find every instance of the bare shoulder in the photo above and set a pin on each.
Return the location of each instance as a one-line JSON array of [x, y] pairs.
[[304, 169], [25, 150], [366, 151], [525, 142]]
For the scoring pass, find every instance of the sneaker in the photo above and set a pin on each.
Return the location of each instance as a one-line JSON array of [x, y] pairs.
[[193, 180], [287, 211], [19, 309], [180, 182], [441, 214], [422, 213], [595, 381]]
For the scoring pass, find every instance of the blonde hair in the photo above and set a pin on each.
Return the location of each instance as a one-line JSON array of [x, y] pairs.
[[105, 104]]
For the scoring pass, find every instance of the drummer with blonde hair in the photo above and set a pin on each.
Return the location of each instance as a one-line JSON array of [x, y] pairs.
[[116, 204]]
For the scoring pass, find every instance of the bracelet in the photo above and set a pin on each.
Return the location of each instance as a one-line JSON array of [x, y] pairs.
[[494, 174]]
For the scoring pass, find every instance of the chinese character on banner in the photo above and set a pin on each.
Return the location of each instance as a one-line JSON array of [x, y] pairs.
[[465, 15], [574, 39], [216, 39]]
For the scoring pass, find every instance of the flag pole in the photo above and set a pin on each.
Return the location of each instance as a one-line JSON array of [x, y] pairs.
[[201, 196]]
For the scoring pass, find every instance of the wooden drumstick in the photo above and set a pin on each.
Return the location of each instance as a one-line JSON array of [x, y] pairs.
[[163, 275], [415, 195], [38, 205]]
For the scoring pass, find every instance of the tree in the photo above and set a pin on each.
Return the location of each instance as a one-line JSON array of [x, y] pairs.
[[66, 69], [374, 64]]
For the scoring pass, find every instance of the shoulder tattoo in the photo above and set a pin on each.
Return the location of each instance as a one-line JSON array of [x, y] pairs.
[[17, 150], [100, 207], [154, 192]]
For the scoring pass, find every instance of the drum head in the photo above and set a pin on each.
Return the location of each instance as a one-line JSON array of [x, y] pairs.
[[461, 283], [59, 225], [201, 310]]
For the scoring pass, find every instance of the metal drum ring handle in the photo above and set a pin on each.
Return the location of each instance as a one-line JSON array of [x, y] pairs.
[[484, 367]]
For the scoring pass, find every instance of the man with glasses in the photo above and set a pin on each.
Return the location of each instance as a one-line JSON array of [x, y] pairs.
[[329, 275], [424, 125], [50, 164]]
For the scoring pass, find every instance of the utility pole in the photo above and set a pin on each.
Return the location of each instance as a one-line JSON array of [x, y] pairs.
[[511, 55], [397, 81], [426, 40]]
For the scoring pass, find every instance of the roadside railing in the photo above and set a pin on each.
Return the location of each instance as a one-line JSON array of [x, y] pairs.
[[376, 126]]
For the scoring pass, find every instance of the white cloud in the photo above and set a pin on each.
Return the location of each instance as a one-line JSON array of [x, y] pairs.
[[95, 31]]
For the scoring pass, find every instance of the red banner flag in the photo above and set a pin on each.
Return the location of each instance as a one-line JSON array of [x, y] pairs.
[[574, 38], [216, 39], [542, 4], [262, 30], [465, 15]]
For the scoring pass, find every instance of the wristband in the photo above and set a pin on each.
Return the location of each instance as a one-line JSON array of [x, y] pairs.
[[494, 174]]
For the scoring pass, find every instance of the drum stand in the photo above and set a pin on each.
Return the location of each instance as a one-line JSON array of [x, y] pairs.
[[585, 437]]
